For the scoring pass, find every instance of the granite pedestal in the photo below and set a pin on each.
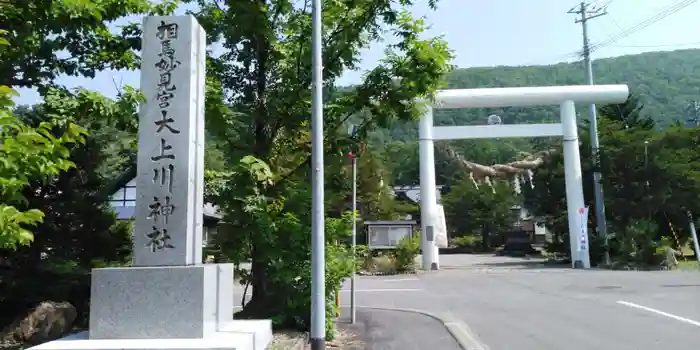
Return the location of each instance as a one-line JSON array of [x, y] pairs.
[[169, 307]]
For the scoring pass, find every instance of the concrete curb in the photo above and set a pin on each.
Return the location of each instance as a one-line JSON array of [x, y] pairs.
[[464, 336]]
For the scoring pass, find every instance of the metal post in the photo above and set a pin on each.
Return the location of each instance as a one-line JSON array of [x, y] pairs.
[[694, 234], [587, 14], [318, 254], [428, 192], [353, 308]]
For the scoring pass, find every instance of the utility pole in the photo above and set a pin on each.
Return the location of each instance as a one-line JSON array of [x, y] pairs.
[[586, 12], [693, 114]]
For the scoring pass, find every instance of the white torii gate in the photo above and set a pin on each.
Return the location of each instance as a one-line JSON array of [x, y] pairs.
[[564, 96]]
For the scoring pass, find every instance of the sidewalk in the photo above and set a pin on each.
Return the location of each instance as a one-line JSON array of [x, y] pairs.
[[398, 330]]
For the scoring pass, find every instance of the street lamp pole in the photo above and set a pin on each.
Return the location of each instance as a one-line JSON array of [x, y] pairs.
[[318, 239], [353, 307], [353, 158]]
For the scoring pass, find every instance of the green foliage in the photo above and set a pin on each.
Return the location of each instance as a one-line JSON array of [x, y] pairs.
[[257, 105], [80, 231], [638, 244], [663, 82], [650, 178], [287, 257], [467, 241], [406, 252], [471, 210], [72, 37], [28, 154], [363, 258]]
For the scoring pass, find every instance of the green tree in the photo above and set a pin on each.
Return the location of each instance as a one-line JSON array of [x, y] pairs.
[[258, 102], [375, 197], [28, 154], [71, 37], [79, 230], [650, 178], [478, 211]]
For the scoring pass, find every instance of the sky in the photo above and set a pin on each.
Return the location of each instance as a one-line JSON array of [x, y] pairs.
[[487, 33]]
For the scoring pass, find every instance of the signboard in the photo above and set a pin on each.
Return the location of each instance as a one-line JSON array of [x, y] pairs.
[[386, 236]]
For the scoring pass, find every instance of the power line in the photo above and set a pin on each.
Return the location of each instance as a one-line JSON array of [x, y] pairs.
[[667, 11], [659, 45]]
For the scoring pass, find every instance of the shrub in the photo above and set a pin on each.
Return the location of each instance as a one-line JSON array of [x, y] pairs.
[[363, 258], [467, 241], [405, 254], [384, 263]]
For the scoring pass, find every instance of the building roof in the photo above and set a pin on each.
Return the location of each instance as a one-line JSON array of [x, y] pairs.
[[209, 211], [412, 192]]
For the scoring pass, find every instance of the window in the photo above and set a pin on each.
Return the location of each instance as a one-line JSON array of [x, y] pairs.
[[124, 197], [119, 195], [130, 193], [130, 196]]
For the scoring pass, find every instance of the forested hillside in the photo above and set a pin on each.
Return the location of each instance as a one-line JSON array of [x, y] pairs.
[[664, 82]]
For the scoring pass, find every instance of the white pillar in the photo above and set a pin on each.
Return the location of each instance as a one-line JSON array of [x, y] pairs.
[[428, 191], [574, 186]]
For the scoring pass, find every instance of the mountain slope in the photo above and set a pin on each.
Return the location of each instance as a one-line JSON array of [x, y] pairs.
[[665, 81]]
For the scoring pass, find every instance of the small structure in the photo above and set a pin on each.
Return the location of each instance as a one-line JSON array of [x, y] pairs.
[[525, 222], [387, 234]]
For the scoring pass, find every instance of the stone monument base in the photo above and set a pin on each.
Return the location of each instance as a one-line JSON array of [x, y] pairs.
[[165, 307], [242, 335]]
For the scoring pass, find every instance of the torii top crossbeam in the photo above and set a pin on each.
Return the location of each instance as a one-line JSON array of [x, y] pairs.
[[530, 96]]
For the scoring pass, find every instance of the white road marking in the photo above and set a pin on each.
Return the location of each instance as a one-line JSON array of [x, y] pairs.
[[659, 312], [249, 292], [383, 290], [401, 280]]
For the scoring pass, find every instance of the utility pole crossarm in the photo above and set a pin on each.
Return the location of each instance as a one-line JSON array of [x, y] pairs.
[[587, 12]]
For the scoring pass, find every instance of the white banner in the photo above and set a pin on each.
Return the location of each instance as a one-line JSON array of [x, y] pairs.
[[582, 237], [440, 227]]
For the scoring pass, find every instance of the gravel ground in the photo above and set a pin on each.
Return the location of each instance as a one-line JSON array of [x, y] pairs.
[[290, 340]]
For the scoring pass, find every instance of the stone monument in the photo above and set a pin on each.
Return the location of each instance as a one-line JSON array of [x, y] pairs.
[[168, 299]]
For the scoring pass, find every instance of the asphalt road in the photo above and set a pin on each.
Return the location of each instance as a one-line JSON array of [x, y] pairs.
[[517, 304], [398, 330]]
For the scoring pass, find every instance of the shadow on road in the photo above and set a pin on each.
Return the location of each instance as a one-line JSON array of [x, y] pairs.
[[525, 264], [483, 261]]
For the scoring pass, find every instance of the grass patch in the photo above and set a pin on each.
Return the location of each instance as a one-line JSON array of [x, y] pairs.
[[688, 265]]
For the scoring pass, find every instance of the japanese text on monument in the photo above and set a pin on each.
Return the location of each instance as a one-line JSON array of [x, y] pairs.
[[161, 209]]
